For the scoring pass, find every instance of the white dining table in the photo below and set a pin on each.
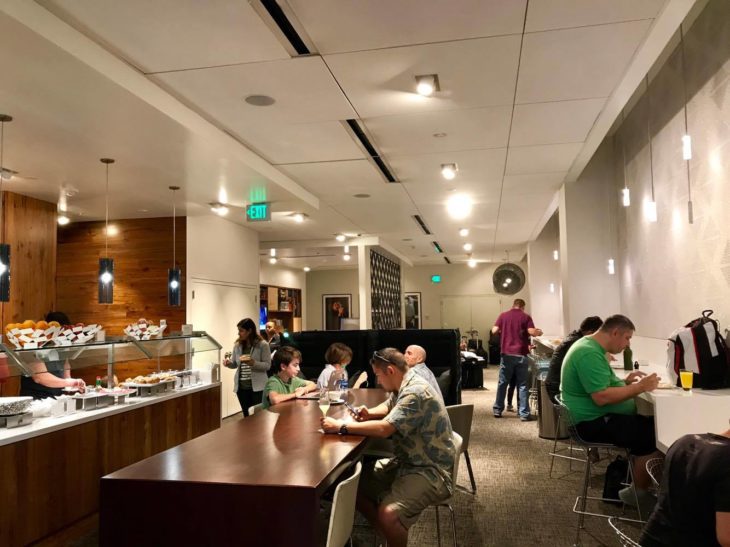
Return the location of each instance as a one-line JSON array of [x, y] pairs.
[[677, 412]]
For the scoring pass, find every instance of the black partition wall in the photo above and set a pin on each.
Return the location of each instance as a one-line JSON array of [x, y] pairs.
[[441, 345]]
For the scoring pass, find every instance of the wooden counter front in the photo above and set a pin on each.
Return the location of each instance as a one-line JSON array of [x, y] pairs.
[[50, 481], [256, 481]]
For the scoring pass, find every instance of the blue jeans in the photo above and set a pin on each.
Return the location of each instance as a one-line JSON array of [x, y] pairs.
[[509, 365]]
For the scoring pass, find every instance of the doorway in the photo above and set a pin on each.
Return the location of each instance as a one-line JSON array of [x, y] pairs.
[[467, 313]]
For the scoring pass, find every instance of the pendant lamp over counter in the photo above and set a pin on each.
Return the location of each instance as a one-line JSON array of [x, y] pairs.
[[106, 264], [4, 247], [173, 274]]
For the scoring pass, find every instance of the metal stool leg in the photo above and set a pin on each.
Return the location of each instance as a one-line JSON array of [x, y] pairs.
[[471, 473], [453, 524], [584, 499], [438, 525]]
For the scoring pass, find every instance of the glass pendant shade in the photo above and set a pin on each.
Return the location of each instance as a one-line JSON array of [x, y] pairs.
[[106, 280], [4, 272], [173, 286], [626, 197]]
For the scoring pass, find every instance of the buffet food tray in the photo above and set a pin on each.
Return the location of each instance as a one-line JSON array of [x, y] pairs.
[[92, 400], [16, 420], [145, 390]]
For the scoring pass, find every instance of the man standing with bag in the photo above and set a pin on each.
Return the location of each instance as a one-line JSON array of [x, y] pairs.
[[515, 328]]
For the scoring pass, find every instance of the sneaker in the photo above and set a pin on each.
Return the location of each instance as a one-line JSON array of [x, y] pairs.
[[527, 418], [497, 414], [646, 499], [510, 408]]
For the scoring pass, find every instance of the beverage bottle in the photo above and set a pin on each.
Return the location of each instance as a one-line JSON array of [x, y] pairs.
[[628, 361], [98, 383]]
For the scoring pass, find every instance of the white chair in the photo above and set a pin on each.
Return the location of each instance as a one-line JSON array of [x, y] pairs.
[[343, 510], [447, 503], [623, 538], [255, 408], [655, 468], [461, 417]]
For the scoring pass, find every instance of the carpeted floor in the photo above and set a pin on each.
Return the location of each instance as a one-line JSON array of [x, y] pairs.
[[516, 504]]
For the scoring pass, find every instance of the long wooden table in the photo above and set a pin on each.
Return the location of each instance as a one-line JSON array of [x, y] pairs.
[[257, 481]]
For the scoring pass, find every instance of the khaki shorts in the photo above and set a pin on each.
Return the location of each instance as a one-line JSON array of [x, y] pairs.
[[408, 495]]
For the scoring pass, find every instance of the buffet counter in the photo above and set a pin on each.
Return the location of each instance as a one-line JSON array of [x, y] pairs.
[[50, 470]]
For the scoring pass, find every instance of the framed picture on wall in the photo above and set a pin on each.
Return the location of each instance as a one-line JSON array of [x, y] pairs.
[[334, 308], [413, 309]]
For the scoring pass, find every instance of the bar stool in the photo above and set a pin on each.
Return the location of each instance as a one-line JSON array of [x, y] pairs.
[[655, 468], [582, 499], [447, 503], [625, 540]]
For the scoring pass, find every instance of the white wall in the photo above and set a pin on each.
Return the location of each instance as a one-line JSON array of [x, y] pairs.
[[281, 276], [588, 240], [544, 270], [456, 279], [319, 282]]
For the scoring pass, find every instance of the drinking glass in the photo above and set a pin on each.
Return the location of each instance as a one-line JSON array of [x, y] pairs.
[[686, 376], [324, 402]]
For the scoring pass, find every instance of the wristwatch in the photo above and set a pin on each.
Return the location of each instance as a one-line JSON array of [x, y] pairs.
[[343, 430]]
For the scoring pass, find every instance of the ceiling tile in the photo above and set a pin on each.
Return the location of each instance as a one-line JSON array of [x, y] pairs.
[[472, 73], [561, 14], [337, 26], [338, 180], [517, 185], [581, 63], [474, 166], [470, 129], [173, 34], [549, 158], [554, 123]]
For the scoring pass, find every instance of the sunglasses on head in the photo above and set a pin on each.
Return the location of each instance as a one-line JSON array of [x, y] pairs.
[[381, 357]]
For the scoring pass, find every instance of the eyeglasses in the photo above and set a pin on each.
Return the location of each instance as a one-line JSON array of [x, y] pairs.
[[381, 357]]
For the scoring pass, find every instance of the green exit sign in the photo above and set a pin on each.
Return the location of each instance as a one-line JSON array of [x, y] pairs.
[[435, 279], [258, 212]]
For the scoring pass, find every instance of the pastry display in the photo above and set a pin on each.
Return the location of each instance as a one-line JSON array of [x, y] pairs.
[[144, 330], [30, 334]]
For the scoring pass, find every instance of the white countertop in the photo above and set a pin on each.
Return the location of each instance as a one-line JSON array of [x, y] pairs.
[[678, 413], [42, 426]]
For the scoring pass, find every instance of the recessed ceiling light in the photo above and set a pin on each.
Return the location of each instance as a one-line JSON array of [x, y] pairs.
[[272, 260], [448, 170], [219, 209], [439, 135], [361, 196], [340, 237], [472, 263], [427, 84], [299, 217], [272, 252], [407, 239], [468, 247], [143, 210], [63, 220], [260, 100], [346, 258], [459, 206], [307, 268], [464, 232]]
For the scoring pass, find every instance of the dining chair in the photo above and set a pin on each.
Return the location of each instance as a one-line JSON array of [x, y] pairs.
[[655, 468], [255, 408], [461, 417], [624, 539], [448, 502], [343, 510]]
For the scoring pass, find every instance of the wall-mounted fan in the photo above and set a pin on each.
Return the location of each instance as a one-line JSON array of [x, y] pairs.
[[508, 278]]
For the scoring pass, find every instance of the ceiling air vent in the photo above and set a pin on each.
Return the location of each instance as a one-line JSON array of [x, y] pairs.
[[446, 259], [279, 18], [363, 139], [422, 224], [437, 247]]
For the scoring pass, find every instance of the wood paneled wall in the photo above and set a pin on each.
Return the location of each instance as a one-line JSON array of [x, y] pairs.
[[142, 253], [30, 229]]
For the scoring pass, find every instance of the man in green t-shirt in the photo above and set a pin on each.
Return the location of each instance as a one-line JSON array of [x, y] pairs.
[[285, 385], [603, 405]]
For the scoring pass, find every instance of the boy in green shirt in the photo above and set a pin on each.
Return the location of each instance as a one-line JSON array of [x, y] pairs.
[[285, 385]]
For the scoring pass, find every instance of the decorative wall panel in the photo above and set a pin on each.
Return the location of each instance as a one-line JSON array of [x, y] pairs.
[[671, 270], [385, 292]]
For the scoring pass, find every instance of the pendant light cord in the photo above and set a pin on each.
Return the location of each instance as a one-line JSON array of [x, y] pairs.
[[106, 229], [2, 172], [648, 136], [684, 91], [623, 151], [174, 240]]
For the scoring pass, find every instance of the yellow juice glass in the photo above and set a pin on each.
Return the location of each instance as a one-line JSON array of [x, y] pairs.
[[685, 376]]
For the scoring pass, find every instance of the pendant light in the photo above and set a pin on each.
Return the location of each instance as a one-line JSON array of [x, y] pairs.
[[625, 192], [686, 139], [106, 264], [4, 247], [173, 274], [650, 207]]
